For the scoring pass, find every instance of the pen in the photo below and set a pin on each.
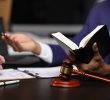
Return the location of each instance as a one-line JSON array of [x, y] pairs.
[[1, 83], [11, 82], [91, 76], [31, 73]]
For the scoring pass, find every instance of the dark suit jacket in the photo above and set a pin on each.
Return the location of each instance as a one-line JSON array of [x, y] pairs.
[[100, 14]]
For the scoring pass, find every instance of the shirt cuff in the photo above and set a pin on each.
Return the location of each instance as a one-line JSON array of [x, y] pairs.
[[46, 53]]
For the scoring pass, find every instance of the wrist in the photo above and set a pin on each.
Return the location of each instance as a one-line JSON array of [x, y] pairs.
[[36, 49]]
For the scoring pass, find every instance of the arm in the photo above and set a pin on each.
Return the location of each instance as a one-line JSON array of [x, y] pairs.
[[22, 42], [91, 22], [58, 54], [98, 15]]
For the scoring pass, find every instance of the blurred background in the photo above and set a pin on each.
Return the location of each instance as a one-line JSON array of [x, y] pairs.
[[45, 16], [40, 18]]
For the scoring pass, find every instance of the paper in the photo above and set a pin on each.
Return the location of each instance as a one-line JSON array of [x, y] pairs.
[[12, 74], [43, 72], [47, 72]]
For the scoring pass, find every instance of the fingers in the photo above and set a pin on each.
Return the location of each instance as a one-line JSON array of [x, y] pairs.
[[95, 49], [11, 40], [2, 59], [7, 38], [97, 56]]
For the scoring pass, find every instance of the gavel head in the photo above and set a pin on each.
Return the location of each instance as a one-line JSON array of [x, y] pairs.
[[66, 70]]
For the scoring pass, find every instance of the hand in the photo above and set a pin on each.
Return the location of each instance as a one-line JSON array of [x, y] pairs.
[[2, 60], [96, 65], [22, 42]]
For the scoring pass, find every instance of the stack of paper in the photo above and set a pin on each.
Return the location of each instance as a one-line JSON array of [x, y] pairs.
[[13, 74], [47, 72], [43, 72]]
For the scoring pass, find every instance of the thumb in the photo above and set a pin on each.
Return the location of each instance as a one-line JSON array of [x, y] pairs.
[[95, 49]]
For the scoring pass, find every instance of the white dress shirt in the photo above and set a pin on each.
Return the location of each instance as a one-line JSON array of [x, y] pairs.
[[46, 53]]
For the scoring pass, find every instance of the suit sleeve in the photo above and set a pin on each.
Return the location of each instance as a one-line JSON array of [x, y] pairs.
[[58, 55], [92, 21]]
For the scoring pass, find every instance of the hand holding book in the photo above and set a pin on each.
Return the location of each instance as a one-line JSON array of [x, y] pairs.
[[83, 51], [91, 51], [95, 66]]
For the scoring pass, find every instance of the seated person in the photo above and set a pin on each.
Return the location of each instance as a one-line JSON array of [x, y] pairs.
[[54, 54]]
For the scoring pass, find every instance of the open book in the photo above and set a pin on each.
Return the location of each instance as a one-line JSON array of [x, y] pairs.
[[84, 51]]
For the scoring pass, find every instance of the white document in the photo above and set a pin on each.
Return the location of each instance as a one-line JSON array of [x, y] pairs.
[[43, 72], [13, 74]]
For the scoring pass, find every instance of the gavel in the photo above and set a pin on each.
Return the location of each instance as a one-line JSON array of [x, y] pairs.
[[65, 79]]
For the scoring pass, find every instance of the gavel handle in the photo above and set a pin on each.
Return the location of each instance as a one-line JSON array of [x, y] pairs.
[[90, 75]]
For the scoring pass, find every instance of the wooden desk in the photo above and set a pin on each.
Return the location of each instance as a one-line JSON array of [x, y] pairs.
[[39, 89]]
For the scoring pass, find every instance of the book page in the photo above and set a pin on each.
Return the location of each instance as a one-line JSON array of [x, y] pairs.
[[85, 40], [12, 74], [64, 42]]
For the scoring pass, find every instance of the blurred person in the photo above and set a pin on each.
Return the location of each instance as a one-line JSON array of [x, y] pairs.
[[54, 55]]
